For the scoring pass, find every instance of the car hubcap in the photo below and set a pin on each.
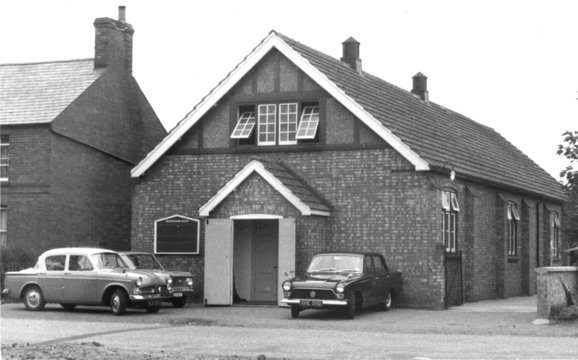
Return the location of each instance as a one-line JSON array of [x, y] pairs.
[[33, 298], [115, 302]]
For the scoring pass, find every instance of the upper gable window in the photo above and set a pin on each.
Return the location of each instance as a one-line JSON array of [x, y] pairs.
[[277, 124]]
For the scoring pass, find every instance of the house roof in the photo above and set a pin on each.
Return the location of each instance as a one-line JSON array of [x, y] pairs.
[[37, 93], [282, 179], [428, 135]]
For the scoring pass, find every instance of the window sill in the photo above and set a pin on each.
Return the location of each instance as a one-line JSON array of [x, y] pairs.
[[513, 259]]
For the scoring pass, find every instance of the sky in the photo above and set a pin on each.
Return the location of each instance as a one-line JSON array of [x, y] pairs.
[[510, 65]]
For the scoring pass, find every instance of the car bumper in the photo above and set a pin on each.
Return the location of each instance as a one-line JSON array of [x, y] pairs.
[[181, 293], [321, 303], [148, 297]]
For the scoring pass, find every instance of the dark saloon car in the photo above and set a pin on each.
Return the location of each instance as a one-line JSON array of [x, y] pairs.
[[347, 281], [180, 283]]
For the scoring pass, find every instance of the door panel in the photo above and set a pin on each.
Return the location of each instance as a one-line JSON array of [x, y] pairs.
[[218, 262], [265, 246], [286, 255]]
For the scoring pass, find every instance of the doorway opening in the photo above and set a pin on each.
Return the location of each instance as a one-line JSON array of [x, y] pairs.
[[255, 261]]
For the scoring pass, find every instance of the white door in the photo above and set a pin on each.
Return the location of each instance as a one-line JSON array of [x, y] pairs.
[[286, 255], [218, 262]]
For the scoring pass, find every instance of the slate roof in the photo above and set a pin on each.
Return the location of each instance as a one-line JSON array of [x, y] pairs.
[[38, 92], [440, 136]]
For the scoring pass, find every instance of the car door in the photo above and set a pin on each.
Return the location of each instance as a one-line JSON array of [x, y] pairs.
[[368, 293], [51, 280], [380, 280], [79, 283]]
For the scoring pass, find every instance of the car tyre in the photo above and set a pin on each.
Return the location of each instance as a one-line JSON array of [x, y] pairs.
[[118, 302], [68, 307], [295, 310], [351, 307], [386, 304], [33, 299], [153, 309], [179, 302]]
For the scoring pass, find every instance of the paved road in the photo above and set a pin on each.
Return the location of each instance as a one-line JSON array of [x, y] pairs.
[[250, 331]]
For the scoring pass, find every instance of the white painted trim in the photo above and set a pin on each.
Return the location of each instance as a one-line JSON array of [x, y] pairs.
[[274, 41], [256, 166], [178, 253], [256, 217]]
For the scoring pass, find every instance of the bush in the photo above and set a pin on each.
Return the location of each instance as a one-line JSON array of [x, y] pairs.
[[567, 313]]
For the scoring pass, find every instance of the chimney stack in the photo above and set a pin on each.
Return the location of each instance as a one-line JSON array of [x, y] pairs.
[[351, 54], [420, 86], [113, 42]]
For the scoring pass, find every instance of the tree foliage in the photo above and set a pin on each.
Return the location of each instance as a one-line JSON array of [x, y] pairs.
[[569, 149]]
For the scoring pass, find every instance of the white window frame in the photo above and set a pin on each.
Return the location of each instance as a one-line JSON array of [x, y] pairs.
[[555, 243], [288, 118], [450, 210], [4, 156], [266, 127], [178, 252], [309, 120], [245, 125], [512, 237]]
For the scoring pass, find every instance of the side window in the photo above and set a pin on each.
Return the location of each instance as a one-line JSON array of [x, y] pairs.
[[368, 265], [379, 265], [79, 263], [55, 262]]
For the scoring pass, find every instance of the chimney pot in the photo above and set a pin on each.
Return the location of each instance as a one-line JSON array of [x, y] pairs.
[[420, 86], [122, 13], [351, 54]]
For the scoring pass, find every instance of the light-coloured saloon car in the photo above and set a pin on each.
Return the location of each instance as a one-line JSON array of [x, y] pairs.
[[86, 276], [180, 283]]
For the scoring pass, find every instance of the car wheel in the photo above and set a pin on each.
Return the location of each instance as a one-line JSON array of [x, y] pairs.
[[351, 307], [386, 304], [179, 302], [295, 311], [153, 309], [118, 302], [68, 307], [33, 299]]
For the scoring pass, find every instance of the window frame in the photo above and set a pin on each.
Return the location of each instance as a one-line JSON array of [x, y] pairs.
[[3, 225], [555, 241], [450, 210], [4, 157], [308, 121], [245, 125], [270, 135], [513, 218]]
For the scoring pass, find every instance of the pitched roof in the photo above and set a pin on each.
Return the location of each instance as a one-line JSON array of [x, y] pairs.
[[38, 92], [428, 135], [281, 179]]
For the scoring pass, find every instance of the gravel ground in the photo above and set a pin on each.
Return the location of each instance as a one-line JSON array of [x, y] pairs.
[[96, 351]]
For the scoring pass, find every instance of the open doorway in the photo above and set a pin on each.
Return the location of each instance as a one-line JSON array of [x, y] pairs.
[[255, 261]]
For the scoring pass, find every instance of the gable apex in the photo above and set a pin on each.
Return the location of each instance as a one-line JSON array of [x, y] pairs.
[[277, 41]]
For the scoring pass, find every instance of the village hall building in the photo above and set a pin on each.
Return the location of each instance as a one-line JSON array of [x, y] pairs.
[[296, 152]]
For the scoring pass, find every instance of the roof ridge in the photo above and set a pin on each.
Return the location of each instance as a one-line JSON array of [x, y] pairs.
[[49, 62]]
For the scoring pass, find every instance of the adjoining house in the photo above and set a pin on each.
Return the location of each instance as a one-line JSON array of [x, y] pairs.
[[296, 152], [70, 133]]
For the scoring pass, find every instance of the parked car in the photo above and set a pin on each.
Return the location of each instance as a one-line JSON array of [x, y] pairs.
[[86, 276], [343, 280], [180, 283]]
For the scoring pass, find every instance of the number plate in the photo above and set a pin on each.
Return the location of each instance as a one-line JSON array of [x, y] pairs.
[[153, 303], [178, 294], [312, 303]]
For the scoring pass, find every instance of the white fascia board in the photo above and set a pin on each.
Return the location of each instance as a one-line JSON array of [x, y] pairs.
[[254, 166]]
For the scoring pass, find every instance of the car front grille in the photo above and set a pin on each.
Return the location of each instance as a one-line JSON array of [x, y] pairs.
[[314, 294], [159, 289]]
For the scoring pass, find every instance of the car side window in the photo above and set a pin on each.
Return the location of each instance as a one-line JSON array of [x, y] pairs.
[[368, 265], [55, 262], [379, 265], [79, 263]]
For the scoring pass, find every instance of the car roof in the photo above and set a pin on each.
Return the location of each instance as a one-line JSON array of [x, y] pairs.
[[76, 250]]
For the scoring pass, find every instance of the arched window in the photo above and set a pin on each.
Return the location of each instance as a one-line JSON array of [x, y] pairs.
[[450, 209]]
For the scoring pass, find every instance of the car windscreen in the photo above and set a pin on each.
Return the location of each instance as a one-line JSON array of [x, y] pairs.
[[108, 261], [336, 263], [144, 261]]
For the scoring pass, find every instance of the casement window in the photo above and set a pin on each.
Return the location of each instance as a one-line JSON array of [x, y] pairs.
[[177, 235], [4, 145], [3, 225], [513, 219], [450, 209], [555, 241], [277, 124]]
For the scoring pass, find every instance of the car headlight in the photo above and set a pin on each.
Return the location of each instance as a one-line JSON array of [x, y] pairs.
[[286, 286], [340, 288], [190, 281], [139, 281], [170, 281]]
